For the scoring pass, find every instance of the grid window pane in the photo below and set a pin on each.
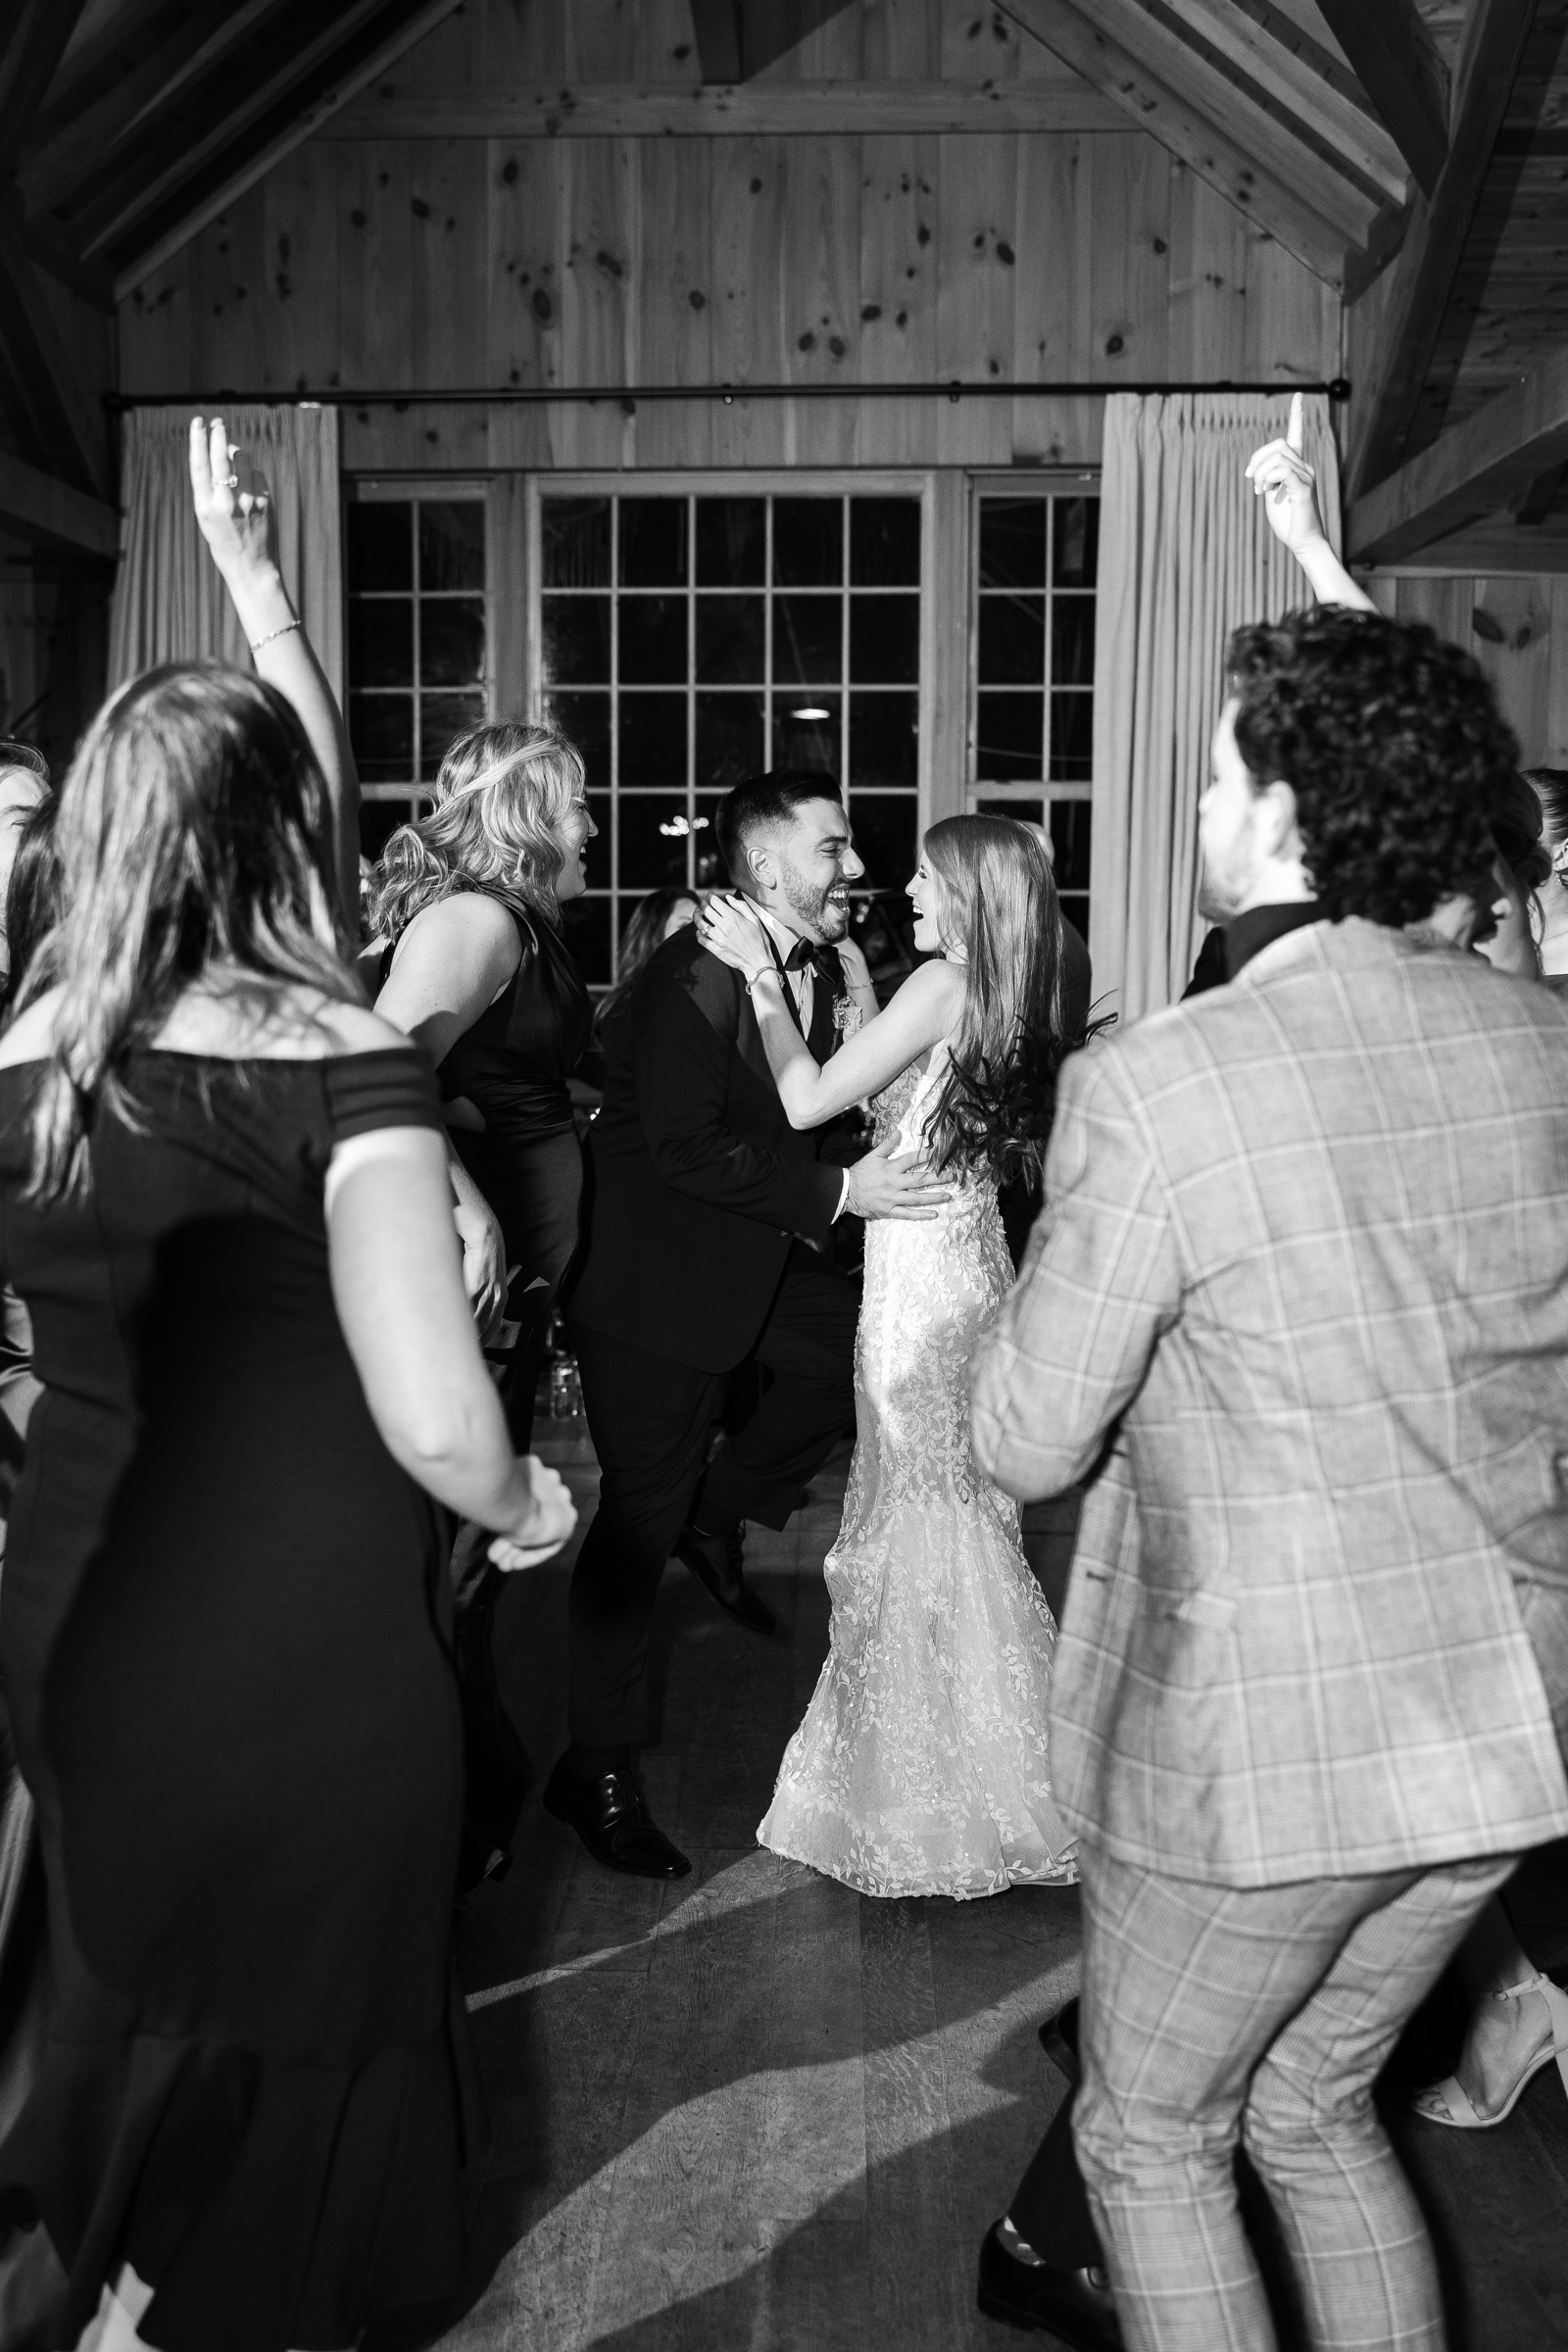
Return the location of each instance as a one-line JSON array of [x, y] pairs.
[[381, 641], [730, 738], [451, 544], [380, 549], [574, 539], [653, 639], [1072, 640], [692, 639], [1011, 737], [1013, 641], [381, 730], [884, 824], [443, 718], [653, 742], [450, 641], [575, 634], [809, 639], [585, 719], [884, 542], [1075, 559], [656, 833], [884, 740], [731, 542], [808, 542], [1072, 738], [809, 743], [731, 639], [416, 620], [653, 542], [1012, 541], [1069, 843], [884, 640]]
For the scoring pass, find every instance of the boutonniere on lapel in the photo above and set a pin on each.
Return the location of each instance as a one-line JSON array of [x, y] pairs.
[[847, 1015]]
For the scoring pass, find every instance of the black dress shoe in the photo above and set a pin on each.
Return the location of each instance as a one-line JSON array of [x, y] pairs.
[[717, 1563], [1065, 2304], [612, 1820], [1058, 2039]]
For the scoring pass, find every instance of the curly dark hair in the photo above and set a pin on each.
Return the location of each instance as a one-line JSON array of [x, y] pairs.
[[1390, 741]]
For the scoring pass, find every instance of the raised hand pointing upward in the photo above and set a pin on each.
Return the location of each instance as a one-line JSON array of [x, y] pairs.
[[1286, 482]]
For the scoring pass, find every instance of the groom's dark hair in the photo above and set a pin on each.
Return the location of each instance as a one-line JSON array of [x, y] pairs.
[[762, 800]]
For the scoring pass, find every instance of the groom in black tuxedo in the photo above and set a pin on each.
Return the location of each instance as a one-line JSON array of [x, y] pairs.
[[707, 1247]]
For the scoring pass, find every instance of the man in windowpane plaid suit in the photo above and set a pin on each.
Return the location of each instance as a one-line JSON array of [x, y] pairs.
[[1297, 1305]]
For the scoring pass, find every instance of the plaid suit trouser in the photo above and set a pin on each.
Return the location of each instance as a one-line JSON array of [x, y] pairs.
[[1212, 2012]]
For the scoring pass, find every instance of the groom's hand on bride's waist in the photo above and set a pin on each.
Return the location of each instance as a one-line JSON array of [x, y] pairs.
[[881, 1186]]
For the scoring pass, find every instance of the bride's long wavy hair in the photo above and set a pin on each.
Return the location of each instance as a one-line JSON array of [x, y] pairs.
[[194, 830], [998, 910], [500, 794]]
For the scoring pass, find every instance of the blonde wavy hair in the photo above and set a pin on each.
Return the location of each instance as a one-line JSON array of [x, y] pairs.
[[194, 830], [501, 796]]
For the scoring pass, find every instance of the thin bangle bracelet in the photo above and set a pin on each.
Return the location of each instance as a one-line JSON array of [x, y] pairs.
[[287, 629], [767, 972]]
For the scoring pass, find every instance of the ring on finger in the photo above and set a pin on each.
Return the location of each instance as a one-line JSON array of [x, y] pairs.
[[231, 482]]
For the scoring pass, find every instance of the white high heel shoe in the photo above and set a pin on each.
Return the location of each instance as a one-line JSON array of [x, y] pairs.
[[1448, 2102]]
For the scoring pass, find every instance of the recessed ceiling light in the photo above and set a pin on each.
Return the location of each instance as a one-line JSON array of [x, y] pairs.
[[812, 711]]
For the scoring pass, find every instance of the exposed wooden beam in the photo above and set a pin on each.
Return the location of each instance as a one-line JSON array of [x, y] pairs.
[[1226, 98], [40, 32], [143, 181], [1541, 497], [1469, 472], [62, 422], [1494, 41], [47, 512], [346, 84], [1304, 79], [752, 110], [1146, 101], [717, 26], [52, 249], [1399, 66], [72, 142]]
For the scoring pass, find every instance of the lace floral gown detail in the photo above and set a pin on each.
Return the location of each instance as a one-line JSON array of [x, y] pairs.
[[920, 1767]]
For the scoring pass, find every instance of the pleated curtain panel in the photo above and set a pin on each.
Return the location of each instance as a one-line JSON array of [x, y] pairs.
[[1186, 556], [168, 602]]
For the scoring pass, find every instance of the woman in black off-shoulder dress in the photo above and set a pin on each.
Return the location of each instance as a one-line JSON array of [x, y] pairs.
[[225, 1623]]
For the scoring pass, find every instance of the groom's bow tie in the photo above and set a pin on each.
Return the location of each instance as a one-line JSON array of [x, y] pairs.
[[809, 953]]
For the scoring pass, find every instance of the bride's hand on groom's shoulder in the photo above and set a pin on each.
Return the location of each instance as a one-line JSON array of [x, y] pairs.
[[729, 929]]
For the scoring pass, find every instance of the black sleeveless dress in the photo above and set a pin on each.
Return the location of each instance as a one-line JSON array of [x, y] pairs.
[[513, 1065], [224, 1633]]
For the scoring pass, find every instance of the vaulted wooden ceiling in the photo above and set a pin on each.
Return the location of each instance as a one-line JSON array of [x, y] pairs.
[[1412, 152]]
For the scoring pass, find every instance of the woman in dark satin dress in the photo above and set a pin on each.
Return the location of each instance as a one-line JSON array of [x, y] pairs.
[[468, 901], [226, 1627]]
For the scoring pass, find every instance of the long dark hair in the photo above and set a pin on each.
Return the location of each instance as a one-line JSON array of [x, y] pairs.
[[643, 932], [194, 829], [999, 908], [32, 896]]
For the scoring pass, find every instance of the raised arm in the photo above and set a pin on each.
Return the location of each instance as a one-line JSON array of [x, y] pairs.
[[1283, 479], [239, 527]]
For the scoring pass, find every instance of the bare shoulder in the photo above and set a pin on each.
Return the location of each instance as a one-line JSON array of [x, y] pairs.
[[31, 1036], [469, 922], [934, 990], [355, 1029]]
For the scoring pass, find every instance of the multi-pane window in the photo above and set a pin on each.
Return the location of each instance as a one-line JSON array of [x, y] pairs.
[[417, 644], [1035, 673], [688, 640]]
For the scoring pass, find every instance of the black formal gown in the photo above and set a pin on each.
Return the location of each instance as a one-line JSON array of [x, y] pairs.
[[225, 1636], [513, 1064]]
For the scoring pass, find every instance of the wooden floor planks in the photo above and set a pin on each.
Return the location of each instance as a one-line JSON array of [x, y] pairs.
[[753, 2109]]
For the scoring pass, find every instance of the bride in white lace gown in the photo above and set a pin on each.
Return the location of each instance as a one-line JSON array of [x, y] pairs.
[[920, 1767]]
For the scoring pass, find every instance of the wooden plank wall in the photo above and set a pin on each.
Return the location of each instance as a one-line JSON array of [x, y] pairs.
[[1517, 629]]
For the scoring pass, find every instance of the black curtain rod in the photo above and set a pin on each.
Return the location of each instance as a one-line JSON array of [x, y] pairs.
[[626, 396]]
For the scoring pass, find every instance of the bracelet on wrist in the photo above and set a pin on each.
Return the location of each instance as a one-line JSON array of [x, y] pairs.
[[257, 643], [768, 971]]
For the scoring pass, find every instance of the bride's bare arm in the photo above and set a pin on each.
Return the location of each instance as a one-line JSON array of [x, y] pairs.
[[924, 1011]]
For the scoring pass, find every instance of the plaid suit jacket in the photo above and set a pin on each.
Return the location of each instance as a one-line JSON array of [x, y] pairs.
[[1300, 1299]]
